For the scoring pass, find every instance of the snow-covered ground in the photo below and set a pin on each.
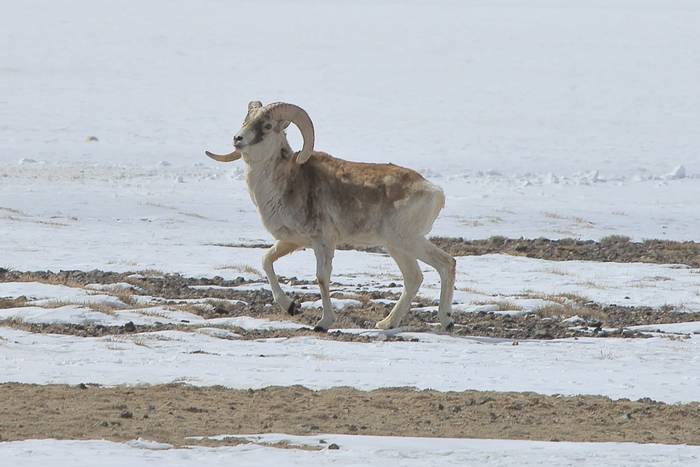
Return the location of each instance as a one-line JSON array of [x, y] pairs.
[[497, 283], [354, 451], [568, 366], [538, 118]]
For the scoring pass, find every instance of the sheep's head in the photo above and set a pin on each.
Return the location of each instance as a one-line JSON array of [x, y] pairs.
[[263, 121]]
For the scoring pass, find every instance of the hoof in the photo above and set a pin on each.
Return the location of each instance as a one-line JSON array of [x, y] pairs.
[[320, 329], [448, 324], [384, 325], [293, 309]]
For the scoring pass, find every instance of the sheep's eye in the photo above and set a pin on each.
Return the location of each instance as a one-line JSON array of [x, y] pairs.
[[268, 126]]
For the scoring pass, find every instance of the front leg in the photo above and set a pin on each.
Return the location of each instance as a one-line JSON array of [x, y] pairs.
[[278, 250], [324, 265]]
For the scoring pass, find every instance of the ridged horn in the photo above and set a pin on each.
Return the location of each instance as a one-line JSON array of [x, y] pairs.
[[234, 156], [298, 116]]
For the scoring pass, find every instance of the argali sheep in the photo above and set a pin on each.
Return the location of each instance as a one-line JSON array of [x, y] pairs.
[[309, 199]]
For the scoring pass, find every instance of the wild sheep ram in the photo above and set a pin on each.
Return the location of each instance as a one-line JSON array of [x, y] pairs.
[[312, 200]]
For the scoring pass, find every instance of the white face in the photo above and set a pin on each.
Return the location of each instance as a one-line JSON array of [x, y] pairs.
[[256, 127]]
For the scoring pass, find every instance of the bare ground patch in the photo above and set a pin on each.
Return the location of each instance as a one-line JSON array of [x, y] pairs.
[[172, 413], [615, 248]]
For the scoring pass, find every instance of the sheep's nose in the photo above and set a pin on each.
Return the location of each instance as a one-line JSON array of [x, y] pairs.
[[237, 139]]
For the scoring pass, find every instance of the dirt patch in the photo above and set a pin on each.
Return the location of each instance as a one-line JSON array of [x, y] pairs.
[[615, 248], [13, 302], [151, 282], [610, 249], [171, 413]]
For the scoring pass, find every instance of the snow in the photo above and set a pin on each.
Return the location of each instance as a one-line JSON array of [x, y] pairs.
[[75, 314], [69, 314], [114, 287], [581, 144], [692, 327], [537, 118], [338, 303], [50, 294], [568, 366], [354, 451], [248, 323], [141, 443], [677, 173], [632, 284]]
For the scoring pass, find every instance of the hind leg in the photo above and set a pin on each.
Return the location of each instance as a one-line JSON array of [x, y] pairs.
[[324, 266], [412, 278], [446, 267]]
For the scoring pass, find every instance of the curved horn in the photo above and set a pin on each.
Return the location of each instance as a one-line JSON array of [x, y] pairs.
[[234, 156], [299, 117]]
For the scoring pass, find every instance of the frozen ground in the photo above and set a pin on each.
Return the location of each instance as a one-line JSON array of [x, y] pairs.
[[608, 367], [537, 118], [354, 451], [480, 279]]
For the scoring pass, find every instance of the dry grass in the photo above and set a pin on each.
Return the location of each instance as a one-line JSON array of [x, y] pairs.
[[13, 211], [562, 298], [105, 308], [51, 279], [13, 302], [590, 285], [502, 305], [235, 441], [553, 215], [563, 311], [568, 296], [151, 273], [472, 290], [56, 303], [555, 271], [613, 240], [101, 307], [242, 268], [566, 305], [126, 296], [614, 248], [606, 354]]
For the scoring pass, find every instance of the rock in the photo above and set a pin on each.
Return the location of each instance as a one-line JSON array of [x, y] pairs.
[[130, 327], [126, 414], [333, 446], [676, 174]]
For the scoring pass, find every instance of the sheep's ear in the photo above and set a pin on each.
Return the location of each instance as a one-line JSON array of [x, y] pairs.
[[252, 105], [281, 125]]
